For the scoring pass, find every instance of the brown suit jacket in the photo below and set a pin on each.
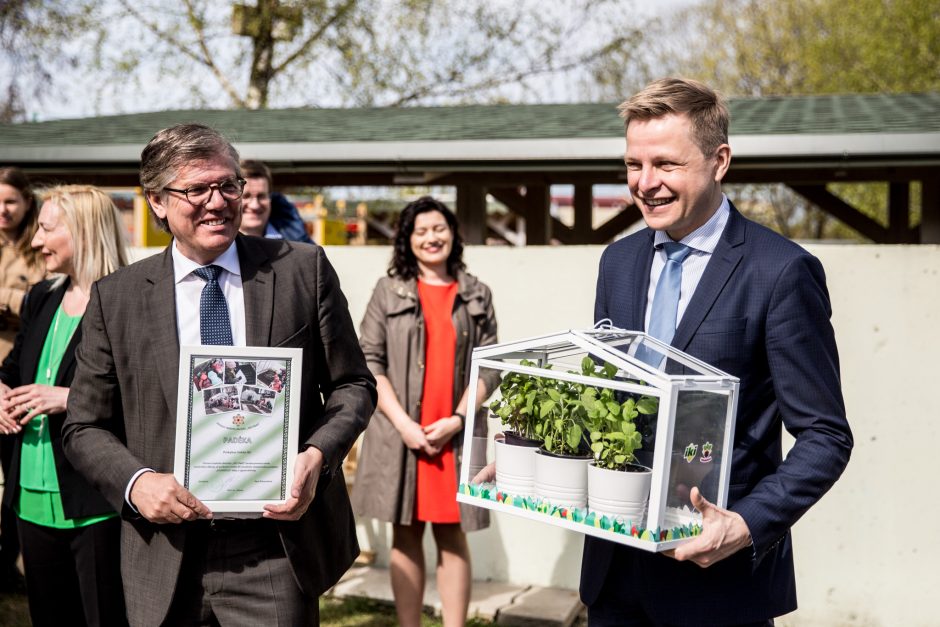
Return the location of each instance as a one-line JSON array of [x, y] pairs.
[[122, 410]]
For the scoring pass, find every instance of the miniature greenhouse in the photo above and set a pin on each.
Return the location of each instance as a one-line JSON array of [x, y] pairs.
[[602, 431]]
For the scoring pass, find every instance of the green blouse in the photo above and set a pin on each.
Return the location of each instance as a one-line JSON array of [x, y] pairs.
[[39, 500]]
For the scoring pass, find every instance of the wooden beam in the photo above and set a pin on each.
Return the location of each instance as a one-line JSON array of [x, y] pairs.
[[564, 233], [617, 224], [841, 210], [930, 210], [899, 210], [583, 213], [510, 197], [538, 219], [471, 211]]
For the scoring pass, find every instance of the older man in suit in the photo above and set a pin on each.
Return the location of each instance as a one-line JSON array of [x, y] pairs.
[[180, 564], [752, 303]]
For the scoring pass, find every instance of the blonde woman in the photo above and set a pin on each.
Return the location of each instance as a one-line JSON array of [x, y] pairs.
[[69, 533]]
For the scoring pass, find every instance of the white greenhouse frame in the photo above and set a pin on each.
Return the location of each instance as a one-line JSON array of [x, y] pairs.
[[658, 383]]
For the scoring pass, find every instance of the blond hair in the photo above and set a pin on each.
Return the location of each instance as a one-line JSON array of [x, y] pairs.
[[705, 108], [98, 247]]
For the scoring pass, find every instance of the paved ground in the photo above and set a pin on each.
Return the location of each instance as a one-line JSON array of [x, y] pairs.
[[504, 604]]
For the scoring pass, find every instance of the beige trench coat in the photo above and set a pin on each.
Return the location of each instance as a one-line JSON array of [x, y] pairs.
[[393, 341], [16, 277]]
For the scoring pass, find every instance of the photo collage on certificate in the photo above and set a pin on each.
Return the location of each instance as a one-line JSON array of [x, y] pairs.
[[237, 438]]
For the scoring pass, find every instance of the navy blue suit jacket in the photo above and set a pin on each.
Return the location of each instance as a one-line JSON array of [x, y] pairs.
[[761, 313]]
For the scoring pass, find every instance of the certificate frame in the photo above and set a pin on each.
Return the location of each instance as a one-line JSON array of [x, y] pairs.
[[237, 427]]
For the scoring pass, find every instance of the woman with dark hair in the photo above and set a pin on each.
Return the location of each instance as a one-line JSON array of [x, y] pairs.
[[70, 535], [420, 327], [20, 268]]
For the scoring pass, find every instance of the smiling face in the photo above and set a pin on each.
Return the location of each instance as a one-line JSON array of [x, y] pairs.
[[675, 186], [256, 206], [204, 232], [12, 210], [54, 241], [431, 241]]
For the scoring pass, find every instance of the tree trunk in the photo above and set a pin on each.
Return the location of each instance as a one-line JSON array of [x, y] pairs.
[[262, 54]]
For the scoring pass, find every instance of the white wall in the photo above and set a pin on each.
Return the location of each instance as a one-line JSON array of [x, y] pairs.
[[866, 554]]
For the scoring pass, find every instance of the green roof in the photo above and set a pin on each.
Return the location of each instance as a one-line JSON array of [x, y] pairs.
[[877, 113]]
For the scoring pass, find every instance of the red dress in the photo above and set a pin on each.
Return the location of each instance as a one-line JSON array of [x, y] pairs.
[[435, 495]]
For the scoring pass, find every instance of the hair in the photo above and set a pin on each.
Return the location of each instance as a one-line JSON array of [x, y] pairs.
[[404, 264], [253, 169], [98, 247], [172, 148], [17, 179], [705, 108]]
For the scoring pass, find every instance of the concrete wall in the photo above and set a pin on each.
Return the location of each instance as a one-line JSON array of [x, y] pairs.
[[866, 554]]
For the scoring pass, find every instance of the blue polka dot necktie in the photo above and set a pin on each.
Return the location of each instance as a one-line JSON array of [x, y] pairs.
[[215, 327]]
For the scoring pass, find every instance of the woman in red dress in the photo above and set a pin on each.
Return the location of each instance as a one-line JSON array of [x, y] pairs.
[[420, 327]]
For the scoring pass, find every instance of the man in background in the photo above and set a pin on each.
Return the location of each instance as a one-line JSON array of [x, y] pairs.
[[266, 213]]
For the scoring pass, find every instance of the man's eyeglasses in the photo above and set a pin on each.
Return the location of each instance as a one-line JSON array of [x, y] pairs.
[[201, 194]]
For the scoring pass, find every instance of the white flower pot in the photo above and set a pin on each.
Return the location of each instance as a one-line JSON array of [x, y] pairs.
[[561, 480], [515, 468], [619, 493]]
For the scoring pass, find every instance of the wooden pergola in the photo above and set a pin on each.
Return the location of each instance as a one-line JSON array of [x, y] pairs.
[[515, 153]]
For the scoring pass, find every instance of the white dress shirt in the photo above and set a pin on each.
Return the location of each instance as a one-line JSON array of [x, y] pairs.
[[189, 290], [702, 242]]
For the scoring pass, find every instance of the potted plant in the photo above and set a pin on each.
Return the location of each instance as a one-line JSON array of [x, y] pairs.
[[617, 486], [516, 410], [561, 462]]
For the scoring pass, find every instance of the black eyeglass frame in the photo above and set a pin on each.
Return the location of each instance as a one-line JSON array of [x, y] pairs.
[[212, 187]]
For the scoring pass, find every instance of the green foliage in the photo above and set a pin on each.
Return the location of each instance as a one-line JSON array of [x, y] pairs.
[[516, 406], [793, 47], [570, 417], [801, 47]]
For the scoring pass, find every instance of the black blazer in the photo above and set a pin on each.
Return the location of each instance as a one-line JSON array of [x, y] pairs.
[[79, 499], [761, 313]]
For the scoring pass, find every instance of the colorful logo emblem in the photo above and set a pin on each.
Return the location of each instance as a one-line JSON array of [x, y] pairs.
[[690, 451], [706, 453], [238, 420]]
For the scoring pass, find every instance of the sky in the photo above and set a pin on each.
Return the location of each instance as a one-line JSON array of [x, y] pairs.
[[76, 98]]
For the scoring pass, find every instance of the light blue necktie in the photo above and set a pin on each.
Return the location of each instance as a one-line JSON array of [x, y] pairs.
[[665, 301], [215, 327]]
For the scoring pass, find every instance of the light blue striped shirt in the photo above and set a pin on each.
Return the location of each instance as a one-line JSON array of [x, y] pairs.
[[702, 241]]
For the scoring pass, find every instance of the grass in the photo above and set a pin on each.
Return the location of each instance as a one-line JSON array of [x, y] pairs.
[[333, 613]]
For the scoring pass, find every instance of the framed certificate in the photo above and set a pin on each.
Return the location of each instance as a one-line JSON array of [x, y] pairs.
[[236, 425]]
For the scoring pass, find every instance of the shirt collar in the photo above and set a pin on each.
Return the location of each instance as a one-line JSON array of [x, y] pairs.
[[183, 266], [704, 238], [272, 233]]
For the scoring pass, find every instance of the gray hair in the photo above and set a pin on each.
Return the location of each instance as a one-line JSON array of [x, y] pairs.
[[174, 147]]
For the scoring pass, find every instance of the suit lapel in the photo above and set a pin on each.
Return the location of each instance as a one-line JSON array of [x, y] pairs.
[[258, 289], [160, 305], [724, 261], [641, 283]]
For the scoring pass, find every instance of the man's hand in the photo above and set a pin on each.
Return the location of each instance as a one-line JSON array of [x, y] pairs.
[[306, 475], [486, 475], [724, 533], [442, 430], [161, 499]]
